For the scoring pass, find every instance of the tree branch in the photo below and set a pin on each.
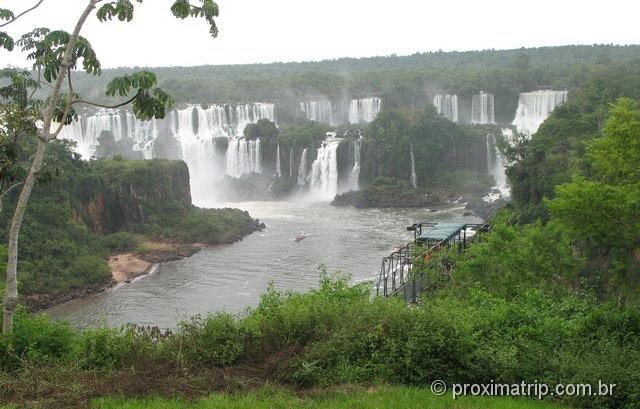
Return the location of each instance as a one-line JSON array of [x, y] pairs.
[[95, 104], [64, 66], [6, 192], [22, 14]]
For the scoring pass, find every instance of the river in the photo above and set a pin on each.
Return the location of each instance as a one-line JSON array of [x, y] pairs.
[[232, 277]]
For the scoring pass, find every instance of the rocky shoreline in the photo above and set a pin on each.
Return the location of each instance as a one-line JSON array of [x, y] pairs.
[[127, 266]]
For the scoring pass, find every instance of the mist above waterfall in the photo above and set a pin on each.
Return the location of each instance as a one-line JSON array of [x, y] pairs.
[[319, 111], [482, 109], [534, 107], [364, 110], [447, 106]]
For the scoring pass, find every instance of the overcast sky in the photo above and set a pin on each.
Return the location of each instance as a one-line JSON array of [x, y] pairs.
[[301, 30]]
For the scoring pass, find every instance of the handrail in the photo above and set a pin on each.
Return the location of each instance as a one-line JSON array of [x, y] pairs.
[[397, 268]]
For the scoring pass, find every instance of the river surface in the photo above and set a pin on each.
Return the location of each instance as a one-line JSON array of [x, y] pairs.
[[232, 277]]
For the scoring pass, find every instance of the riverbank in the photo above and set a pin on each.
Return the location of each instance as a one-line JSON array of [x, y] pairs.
[[129, 265]]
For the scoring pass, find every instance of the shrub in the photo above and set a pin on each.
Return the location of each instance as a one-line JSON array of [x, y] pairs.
[[108, 348], [89, 268], [35, 339], [119, 242], [214, 340]]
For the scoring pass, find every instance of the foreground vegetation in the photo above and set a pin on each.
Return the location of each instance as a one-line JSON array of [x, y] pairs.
[[342, 398]]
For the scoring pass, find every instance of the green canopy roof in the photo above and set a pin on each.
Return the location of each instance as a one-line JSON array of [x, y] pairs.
[[441, 231]]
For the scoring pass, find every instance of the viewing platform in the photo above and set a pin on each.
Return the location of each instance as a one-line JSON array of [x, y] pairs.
[[402, 273]]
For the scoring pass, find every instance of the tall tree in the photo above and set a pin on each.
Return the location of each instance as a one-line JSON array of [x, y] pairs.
[[56, 55]]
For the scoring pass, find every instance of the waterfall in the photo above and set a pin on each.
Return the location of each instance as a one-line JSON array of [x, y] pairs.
[[324, 171], [534, 107], [414, 177], [354, 175], [319, 111], [278, 166], [496, 167], [302, 171], [291, 163], [243, 157], [447, 105], [482, 109], [364, 110], [86, 130]]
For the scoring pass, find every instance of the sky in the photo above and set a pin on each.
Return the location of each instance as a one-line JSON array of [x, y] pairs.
[[263, 31]]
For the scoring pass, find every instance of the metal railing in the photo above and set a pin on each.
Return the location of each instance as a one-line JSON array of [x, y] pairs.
[[401, 273]]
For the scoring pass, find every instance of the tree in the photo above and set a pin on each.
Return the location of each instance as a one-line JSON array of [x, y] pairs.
[[56, 55], [603, 212]]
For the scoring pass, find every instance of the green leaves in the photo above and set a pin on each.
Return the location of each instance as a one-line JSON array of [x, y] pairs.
[[16, 86], [6, 15], [615, 156], [47, 47], [149, 101], [122, 86], [209, 10], [122, 9], [6, 41]]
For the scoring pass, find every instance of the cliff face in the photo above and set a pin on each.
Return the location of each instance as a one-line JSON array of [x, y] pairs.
[[121, 195]]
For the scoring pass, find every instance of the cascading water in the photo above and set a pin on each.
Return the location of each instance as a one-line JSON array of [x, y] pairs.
[[291, 163], [243, 157], [194, 127], [496, 167], [278, 165], [447, 106], [482, 109], [302, 171], [364, 110], [414, 177], [319, 111], [354, 174], [534, 107], [86, 130], [324, 171]]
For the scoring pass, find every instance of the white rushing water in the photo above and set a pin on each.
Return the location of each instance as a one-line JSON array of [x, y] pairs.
[[278, 164], [414, 177], [534, 107], [447, 106], [194, 127], [354, 174], [319, 111], [291, 163], [364, 110], [482, 109], [324, 171], [496, 164], [302, 171], [243, 157]]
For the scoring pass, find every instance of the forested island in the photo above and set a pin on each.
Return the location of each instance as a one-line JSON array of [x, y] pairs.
[[134, 208]]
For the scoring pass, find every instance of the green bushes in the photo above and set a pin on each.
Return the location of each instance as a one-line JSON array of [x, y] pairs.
[[119, 242], [338, 334], [215, 340]]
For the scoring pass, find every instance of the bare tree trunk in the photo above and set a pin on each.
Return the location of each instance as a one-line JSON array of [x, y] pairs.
[[11, 292], [44, 136]]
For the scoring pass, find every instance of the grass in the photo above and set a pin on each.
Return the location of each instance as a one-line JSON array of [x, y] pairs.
[[356, 398]]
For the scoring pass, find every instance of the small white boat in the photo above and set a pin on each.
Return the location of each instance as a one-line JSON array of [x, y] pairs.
[[300, 236]]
